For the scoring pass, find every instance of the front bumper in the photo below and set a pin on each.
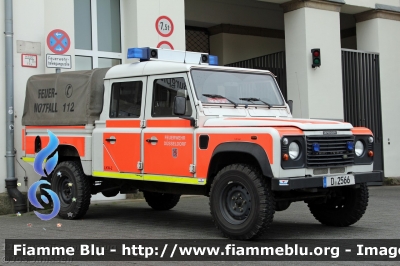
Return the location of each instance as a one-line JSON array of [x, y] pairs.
[[285, 184]]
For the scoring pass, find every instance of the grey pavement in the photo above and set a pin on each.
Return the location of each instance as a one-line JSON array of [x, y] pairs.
[[190, 219]]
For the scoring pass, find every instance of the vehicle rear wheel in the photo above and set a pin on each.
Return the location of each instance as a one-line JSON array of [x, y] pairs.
[[161, 201], [72, 187], [345, 209], [241, 202]]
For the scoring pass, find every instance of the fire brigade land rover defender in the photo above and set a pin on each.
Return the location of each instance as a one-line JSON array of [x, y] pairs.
[[174, 123]]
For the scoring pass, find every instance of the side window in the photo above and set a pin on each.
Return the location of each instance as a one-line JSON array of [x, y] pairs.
[[126, 99], [164, 92]]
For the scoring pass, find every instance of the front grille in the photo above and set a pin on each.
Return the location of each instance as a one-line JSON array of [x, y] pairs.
[[333, 151]]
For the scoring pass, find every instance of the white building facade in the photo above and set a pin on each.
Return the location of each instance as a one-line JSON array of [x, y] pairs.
[[101, 31]]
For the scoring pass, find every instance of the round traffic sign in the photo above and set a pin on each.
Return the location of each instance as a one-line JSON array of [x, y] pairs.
[[165, 45], [164, 26], [58, 41]]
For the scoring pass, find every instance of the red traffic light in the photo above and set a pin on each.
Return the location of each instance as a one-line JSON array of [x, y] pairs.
[[316, 57]]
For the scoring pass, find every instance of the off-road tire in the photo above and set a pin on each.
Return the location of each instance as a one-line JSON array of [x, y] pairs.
[[343, 210], [75, 199], [161, 201], [241, 202]]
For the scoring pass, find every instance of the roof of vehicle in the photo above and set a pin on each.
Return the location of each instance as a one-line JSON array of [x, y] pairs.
[[163, 67]]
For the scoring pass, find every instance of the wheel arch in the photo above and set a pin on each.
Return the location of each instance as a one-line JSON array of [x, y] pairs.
[[236, 152], [67, 152]]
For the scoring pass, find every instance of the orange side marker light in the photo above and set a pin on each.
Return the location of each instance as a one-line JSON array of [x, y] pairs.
[[285, 157], [370, 153]]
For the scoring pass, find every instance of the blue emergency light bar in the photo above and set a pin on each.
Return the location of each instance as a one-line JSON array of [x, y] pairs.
[[140, 53], [213, 60], [148, 53]]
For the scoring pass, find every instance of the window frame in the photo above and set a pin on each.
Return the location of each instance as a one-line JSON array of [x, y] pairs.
[[237, 72], [143, 98], [95, 54], [153, 97]]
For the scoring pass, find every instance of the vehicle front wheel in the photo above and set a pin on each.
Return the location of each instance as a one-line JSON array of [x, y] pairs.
[[161, 201], [344, 209], [73, 189], [241, 202]]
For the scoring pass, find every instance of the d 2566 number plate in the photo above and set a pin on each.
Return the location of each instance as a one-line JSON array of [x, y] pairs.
[[338, 180]]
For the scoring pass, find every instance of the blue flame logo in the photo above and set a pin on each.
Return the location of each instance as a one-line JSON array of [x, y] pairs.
[[44, 168]]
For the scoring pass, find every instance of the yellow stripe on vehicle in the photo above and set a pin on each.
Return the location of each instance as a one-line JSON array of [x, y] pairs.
[[118, 175], [155, 178], [175, 179], [28, 159]]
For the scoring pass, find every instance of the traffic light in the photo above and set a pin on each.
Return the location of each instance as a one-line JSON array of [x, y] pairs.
[[316, 57]]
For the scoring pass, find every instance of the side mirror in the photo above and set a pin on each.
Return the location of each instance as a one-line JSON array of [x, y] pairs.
[[179, 105], [290, 103]]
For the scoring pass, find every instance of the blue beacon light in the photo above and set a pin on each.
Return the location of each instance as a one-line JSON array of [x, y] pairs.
[[316, 147], [213, 60], [141, 53], [350, 145]]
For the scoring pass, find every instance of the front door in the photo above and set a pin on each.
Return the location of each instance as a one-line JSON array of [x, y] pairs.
[[167, 139], [122, 135]]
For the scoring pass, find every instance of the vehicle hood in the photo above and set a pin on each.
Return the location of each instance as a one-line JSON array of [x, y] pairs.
[[303, 124]]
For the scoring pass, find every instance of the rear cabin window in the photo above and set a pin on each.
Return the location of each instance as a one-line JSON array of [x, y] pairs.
[[164, 92], [126, 99]]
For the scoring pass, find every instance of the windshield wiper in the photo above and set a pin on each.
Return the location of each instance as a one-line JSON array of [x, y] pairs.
[[257, 100], [220, 96]]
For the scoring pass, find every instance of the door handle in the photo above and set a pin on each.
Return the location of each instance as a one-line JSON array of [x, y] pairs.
[[109, 140], [152, 140]]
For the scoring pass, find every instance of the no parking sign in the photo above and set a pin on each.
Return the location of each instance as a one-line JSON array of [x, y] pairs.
[[58, 41]]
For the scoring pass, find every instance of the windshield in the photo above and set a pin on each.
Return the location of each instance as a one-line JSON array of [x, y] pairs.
[[240, 88]]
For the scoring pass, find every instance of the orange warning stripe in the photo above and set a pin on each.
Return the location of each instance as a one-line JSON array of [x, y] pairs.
[[361, 131], [168, 123], [203, 157], [285, 131], [77, 142], [23, 139], [123, 123], [55, 127]]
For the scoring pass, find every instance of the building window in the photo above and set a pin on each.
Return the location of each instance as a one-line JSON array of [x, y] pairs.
[[197, 39], [97, 34]]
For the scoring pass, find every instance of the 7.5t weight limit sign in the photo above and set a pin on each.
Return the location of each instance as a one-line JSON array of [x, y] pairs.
[[164, 26]]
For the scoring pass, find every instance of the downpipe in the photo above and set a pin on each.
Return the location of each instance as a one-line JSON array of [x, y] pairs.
[[11, 181]]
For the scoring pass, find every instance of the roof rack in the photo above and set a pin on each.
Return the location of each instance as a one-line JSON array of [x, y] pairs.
[[149, 53]]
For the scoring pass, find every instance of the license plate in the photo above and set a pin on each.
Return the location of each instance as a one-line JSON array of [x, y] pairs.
[[339, 180]]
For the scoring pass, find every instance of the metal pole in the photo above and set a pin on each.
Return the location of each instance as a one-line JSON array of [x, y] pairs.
[[9, 91], [11, 181]]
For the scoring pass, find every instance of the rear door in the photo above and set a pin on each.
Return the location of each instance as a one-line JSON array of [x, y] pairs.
[[167, 139], [122, 135]]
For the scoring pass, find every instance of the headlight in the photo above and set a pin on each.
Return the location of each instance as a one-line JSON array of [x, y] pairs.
[[294, 150], [359, 148]]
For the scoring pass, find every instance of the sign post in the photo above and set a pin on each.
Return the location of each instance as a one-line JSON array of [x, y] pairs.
[[59, 43]]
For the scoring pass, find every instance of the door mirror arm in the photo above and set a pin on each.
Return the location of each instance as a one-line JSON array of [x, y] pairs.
[[191, 119]]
